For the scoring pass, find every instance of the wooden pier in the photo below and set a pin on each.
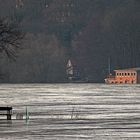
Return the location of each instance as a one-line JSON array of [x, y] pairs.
[[6, 111]]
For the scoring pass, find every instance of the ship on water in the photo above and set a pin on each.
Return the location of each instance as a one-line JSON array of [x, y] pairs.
[[124, 76]]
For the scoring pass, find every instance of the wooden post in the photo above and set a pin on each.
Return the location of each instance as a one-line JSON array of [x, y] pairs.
[[8, 115]]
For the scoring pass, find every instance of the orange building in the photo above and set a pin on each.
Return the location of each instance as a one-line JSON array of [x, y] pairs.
[[124, 76]]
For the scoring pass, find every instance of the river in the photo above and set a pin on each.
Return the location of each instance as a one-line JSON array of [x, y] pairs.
[[71, 112]]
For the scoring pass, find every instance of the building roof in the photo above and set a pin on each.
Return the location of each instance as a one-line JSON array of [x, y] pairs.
[[129, 69], [71, 63]]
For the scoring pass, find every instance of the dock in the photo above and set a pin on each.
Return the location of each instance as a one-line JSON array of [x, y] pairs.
[[6, 111]]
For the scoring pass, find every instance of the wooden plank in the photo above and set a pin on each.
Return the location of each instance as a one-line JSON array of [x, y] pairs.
[[5, 108], [7, 112]]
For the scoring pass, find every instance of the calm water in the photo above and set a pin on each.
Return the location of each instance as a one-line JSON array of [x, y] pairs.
[[71, 111]]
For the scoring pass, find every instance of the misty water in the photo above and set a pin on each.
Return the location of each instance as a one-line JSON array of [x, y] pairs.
[[71, 111]]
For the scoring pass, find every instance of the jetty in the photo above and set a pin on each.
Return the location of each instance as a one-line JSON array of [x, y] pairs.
[[6, 111]]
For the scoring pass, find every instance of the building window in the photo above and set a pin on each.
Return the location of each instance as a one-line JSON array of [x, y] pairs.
[[125, 74], [134, 74], [122, 74]]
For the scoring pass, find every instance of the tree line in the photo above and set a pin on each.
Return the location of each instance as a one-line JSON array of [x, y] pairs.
[[90, 32]]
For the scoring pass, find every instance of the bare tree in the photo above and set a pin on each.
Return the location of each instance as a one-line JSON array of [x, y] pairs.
[[10, 38]]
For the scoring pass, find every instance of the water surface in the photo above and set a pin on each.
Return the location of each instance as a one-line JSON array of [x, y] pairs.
[[71, 111]]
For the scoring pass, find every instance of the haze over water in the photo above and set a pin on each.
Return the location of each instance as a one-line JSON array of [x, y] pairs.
[[71, 111]]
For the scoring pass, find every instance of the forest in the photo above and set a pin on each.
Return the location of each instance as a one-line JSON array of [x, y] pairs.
[[91, 32]]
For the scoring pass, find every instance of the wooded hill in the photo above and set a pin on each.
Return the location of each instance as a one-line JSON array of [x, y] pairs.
[[89, 31]]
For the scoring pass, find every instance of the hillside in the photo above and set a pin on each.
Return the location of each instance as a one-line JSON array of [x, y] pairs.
[[89, 31]]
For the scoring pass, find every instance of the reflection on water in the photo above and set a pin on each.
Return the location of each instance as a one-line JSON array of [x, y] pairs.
[[71, 111]]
